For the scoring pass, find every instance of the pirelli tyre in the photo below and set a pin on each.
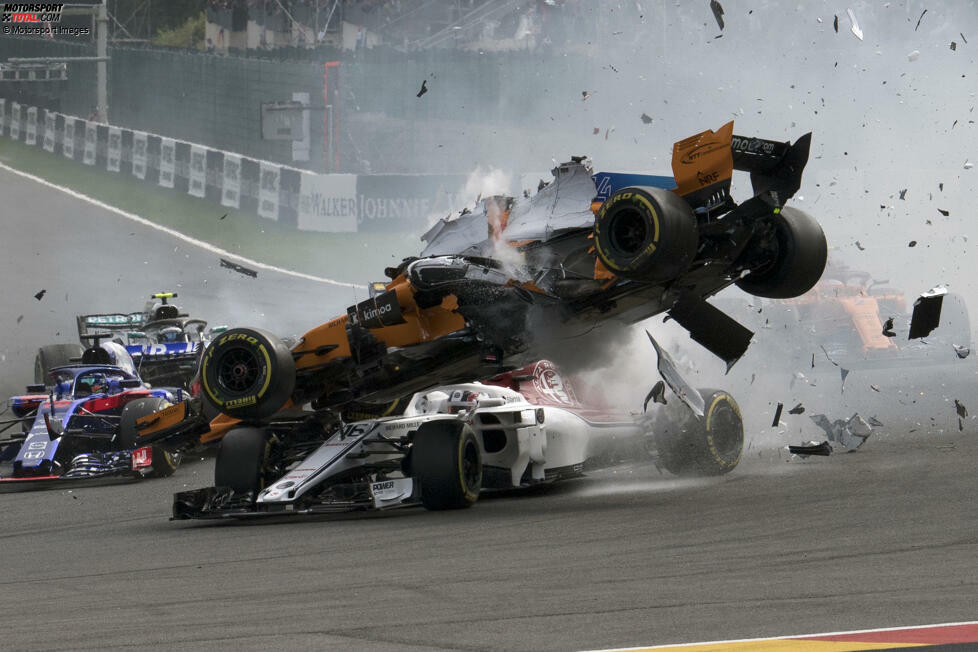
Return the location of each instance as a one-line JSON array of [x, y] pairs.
[[700, 446], [247, 373], [646, 234], [241, 459], [164, 462], [446, 463], [798, 263], [54, 355]]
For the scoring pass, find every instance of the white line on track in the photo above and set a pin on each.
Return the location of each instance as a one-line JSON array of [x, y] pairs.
[[782, 638], [176, 234]]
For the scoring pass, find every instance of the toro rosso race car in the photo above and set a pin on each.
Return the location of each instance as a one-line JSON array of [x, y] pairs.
[[519, 429], [82, 424], [495, 283]]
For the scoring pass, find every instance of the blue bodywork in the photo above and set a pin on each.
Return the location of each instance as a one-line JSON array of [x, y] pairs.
[[608, 183], [85, 402]]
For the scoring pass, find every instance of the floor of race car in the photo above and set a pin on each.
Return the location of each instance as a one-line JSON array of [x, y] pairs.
[[880, 538]]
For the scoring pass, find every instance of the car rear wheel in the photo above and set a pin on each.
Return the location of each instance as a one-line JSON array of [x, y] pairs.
[[798, 263], [709, 445], [54, 355], [646, 234], [247, 373], [446, 463]]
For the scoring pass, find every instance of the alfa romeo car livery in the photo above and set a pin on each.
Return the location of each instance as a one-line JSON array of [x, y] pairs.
[[525, 427]]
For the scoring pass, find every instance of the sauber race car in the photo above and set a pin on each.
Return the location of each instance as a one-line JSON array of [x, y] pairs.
[[493, 283], [82, 424], [164, 342], [521, 428]]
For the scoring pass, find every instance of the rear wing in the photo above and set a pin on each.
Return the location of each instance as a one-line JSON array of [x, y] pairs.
[[94, 327], [703, 166]]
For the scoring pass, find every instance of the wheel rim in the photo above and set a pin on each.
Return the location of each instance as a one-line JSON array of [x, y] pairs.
[[726, 431], [471, 468], [238, 370], [628, 231]]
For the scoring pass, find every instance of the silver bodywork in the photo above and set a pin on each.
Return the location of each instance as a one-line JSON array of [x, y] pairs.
[[521, 444]]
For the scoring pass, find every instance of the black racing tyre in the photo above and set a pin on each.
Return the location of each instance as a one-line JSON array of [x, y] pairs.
[[164, 461], [646, 234], [241, 461], [700, 446], [799, 262], [54, 355], [247, 373], [446, 462]]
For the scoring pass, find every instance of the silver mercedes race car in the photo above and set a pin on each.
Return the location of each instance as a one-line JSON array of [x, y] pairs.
[[521, 428]]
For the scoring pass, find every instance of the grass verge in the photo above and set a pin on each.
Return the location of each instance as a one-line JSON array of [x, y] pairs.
[[348, 257]]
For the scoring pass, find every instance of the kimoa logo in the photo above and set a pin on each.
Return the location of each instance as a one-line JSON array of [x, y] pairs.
[[371, 313]]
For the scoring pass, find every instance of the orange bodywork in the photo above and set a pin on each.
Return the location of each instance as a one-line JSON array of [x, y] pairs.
[[703, 160]]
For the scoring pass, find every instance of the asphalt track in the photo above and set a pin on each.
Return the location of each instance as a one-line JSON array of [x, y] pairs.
[[884, 537]]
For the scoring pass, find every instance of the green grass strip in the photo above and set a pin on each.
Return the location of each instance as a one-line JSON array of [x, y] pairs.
[[348, 257]]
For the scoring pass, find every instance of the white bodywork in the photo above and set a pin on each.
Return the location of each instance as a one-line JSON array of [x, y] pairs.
[[528, 443]]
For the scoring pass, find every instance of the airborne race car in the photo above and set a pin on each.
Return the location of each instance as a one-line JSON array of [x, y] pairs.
[[493, 283], [82, 425], [519, 429]]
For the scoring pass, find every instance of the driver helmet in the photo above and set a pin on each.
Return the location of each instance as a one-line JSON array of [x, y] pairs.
[[171, 334]]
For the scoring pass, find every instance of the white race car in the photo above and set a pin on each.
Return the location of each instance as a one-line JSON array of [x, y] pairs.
[[518, 429]]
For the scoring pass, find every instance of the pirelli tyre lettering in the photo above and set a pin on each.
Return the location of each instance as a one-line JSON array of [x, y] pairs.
[[247, 373], [646, 234]]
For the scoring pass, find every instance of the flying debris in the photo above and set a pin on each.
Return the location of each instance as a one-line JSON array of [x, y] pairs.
[[859, 246], [968, 165], [920, 19], [903, 194], [926, 313], [962, 351], [657, 394], [239, 268], [597, 130], [850, 433], [835, 23], [954, 46], [912, 243], [717, 12], [424, 88], [223, 216], [874, 388], [960, 409], [798, 409], [888, 328], [876, 423], [844, 373], [40, 295], [777, 415], [913, 56], [858, 33], [828, 357], [585, 95], [942, 211], [646, 119], [20, 318], [811, 448]]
